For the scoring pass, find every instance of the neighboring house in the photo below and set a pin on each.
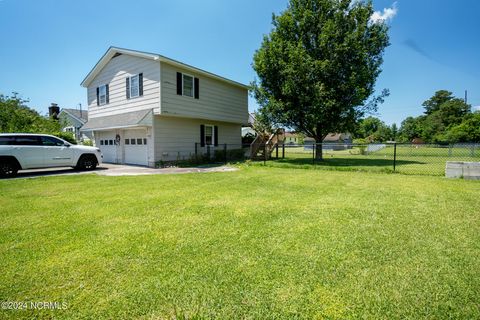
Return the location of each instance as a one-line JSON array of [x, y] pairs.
[[338, 138], [292, 138], [333, 141], [72, 120], [337, 141], [144, 108]]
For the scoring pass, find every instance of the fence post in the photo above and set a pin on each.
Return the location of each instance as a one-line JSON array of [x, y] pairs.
[[283, 150], [394, 156], [264, 154], [313, 152], [276, 152], [225, 152]]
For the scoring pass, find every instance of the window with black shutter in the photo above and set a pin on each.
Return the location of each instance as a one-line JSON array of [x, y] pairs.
[[102, 95], [134, 86], [207, 133], [215, 136], [202, 135], [188, 85], [179, 83], [197, 88]]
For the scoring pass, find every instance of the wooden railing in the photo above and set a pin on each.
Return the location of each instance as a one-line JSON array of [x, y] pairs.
[[263, 146]]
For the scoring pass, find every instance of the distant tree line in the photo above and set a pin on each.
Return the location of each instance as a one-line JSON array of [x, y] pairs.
[[446, 119]]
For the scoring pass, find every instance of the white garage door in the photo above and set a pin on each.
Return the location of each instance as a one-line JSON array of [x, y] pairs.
[[136, 148], [107, 146]]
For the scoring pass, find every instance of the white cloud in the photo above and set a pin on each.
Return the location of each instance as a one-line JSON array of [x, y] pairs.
[[387, 14], [477, 108]]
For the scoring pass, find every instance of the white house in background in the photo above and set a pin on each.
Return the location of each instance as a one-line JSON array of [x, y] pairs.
[[72, 120], [144, 107]]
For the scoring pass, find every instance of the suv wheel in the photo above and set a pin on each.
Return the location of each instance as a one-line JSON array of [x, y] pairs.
[[8, 169], [87, 162]]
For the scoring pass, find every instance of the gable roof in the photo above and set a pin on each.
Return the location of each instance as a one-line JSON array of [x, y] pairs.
[[83, 117], [112, 51]]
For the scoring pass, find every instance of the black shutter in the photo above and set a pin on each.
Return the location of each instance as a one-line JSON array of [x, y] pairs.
[[128, 87], [215, 136], [140, 84], [179, 83], [98, 96], [197, 88], [202, 135], [108, 94]]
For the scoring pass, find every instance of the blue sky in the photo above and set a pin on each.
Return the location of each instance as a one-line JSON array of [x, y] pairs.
[[49, 46]]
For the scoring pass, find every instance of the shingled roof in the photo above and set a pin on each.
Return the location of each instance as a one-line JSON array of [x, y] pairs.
[[83, 116]]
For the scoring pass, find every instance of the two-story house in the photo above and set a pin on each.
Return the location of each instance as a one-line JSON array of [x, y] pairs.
[[144, 107]]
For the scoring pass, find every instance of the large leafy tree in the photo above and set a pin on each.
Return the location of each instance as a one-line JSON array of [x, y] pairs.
[[16, 116], [318, 66], [467, 131], [433, 104], [442, 112]]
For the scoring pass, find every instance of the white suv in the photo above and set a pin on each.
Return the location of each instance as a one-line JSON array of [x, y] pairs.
[[28, 151]]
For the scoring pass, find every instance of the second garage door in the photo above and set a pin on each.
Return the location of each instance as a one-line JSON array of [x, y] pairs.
[[136, 148]]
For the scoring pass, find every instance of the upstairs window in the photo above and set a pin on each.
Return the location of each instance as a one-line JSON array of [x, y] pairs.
[[102, 95], [135, 86], [188, 85]]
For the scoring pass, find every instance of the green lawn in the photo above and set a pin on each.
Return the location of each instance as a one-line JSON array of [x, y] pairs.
[[259, 243], [423, 160]]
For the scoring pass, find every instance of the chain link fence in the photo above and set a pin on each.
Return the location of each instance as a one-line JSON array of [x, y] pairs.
[[423, 159], [427, 159]]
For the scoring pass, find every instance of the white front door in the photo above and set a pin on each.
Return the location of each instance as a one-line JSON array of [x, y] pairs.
[[135, 147], [106, 143]]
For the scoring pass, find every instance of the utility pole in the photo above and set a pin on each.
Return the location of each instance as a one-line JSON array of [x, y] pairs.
[[80, 105], [466, 96]]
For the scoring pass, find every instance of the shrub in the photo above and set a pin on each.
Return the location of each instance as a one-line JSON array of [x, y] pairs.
[[67, 136], [87, 142], [232, 154]]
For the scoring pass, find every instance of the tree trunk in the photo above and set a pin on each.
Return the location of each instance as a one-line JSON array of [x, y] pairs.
[[318, 150]]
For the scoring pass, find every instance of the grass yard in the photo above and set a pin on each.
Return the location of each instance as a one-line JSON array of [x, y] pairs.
[[259, 243], [424, 160]]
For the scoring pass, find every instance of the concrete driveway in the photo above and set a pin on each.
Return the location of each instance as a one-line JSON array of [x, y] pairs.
[[107, 169]]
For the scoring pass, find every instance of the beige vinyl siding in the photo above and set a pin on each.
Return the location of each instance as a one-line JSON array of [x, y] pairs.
[[175, 137], [114, 74], [218, 100]]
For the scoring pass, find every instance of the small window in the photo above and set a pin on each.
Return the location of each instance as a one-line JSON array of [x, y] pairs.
[[134, 90], [208, 135], [132, 141], [139, 141], [187, 85], [110, 142], [127, 141], [101, 142], [144, 140], [102, 94]]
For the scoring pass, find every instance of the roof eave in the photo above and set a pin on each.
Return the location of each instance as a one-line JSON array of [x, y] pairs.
[[113, 50]]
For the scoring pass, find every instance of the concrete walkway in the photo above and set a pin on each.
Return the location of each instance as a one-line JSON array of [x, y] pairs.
[[107, 169], [126, 170]]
